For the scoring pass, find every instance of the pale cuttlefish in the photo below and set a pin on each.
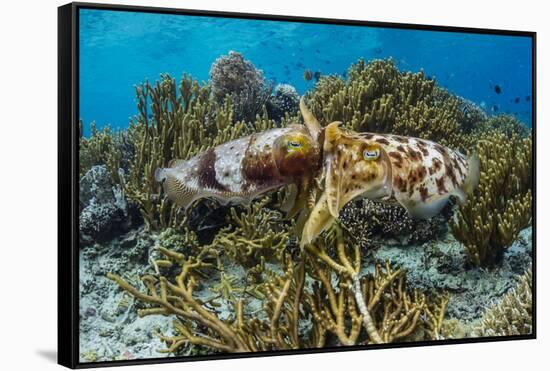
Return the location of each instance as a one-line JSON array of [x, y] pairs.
[[418, 174], [242, 169]]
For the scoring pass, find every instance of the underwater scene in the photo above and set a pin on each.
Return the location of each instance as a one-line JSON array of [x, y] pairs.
[[259, 185]]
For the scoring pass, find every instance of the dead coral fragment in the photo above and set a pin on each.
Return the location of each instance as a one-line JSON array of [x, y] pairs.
[[500, 208], [513, 315]]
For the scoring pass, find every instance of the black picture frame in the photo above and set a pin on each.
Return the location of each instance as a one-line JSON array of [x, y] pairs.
[[68, 160]]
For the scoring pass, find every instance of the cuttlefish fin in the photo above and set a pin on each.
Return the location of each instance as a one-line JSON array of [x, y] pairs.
[[175, 189], [472, 179], [310, 121], [319, 219], [425, 210]]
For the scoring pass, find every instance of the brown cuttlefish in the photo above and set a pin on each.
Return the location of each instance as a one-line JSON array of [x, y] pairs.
[[242, 169], [418, 174]]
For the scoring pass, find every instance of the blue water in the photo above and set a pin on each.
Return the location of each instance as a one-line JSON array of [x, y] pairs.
[[121, 49]]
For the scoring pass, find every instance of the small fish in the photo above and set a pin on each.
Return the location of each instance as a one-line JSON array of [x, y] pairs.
[[527, 98], [242, 169], [308, 75], [495, 108], [498, 90], [417, 174], [317, 75], [516, 100]]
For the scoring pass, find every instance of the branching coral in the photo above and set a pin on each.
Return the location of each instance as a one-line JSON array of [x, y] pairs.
[[102, 147], [513, 315], [500, 208], [301, 305], [255, 233], [376, 97]]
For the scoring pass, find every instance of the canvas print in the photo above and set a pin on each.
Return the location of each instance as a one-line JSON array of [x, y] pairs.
[[253, 185]]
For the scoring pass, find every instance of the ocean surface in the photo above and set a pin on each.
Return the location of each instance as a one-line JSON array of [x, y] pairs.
[[120, 49]]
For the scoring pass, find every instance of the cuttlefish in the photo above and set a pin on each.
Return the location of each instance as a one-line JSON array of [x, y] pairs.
[[242, 169], [418, 174]]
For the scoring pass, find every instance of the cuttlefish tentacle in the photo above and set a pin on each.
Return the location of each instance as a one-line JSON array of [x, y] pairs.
[[418, 174]]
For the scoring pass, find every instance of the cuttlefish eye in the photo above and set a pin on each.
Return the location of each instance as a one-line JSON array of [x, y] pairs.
[[371, 154], [293, 145]]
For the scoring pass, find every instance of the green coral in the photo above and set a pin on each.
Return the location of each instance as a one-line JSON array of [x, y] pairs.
[[500, 207]]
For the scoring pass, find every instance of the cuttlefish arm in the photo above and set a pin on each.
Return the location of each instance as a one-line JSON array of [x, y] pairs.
[[419, 174], [350, 165]]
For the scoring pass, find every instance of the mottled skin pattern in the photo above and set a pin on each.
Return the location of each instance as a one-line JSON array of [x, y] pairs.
[[242, 169], [418, 174]]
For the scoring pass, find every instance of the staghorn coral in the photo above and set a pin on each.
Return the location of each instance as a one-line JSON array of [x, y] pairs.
[[253, 234], [301, 307], [232, 75], [513, 315], [500, 208]]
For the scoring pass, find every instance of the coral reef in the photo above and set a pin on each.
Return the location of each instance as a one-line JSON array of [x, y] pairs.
[[232, 75], [104, 212], [513, 315], [233, 278], [501, 205]]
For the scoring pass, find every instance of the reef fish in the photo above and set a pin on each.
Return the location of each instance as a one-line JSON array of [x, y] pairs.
[[242, 169], [418, 174]]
